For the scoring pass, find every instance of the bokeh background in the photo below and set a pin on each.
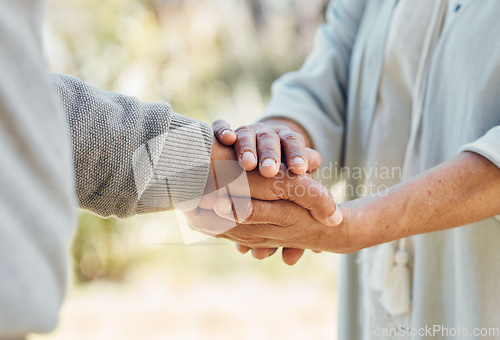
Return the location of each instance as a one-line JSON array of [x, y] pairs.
[[211, 59]]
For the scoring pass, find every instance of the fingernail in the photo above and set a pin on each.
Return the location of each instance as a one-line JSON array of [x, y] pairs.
[[335, 219], [298, 161], [268, 162], [223, 133], [224, 206], [248, 157]]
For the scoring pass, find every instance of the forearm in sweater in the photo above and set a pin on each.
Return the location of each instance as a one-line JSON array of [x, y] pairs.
[[131, 157]]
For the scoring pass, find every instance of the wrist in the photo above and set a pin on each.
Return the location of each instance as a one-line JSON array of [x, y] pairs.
[[369, 221], [360, 227], [220, 153]]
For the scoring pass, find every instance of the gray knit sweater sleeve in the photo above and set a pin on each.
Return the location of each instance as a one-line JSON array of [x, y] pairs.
[[131, 157]]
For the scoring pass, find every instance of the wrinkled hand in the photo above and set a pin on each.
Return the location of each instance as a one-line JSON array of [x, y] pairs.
[[286, 186], [272, 224], [263, 144], [301, 189]]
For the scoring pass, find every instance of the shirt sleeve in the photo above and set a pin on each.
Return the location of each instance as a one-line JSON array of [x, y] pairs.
[[315, 95], [132, 157], [487, 146]]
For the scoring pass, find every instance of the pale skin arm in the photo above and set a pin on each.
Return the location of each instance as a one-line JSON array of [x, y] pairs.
[[464, 190], [461, 191]]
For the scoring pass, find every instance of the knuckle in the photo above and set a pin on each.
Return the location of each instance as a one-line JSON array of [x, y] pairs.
[[245, 142], [267, 134], [245, 130], [293, 137], [294, 151], [258, 126], [288, 136], [281, 129]]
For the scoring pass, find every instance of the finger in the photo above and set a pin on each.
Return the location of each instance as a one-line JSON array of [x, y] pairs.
[[299, 189], [246, 148], [291, 255], [262, 253], [266, 224], [294, 148], [253, 212], [242, 249], [209, 223], [311, 195], [223, 132], [314, 160], [268, 151]]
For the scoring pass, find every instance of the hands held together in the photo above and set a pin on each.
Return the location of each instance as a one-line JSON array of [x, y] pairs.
[[276, 205], [280, 205]]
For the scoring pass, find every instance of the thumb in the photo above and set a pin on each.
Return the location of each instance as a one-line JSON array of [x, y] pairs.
[[312, 196]]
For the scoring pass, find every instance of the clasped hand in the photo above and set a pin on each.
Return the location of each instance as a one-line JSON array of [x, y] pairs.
[[276, 205]]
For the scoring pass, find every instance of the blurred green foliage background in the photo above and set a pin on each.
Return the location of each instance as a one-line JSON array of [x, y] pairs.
[[209, 59]]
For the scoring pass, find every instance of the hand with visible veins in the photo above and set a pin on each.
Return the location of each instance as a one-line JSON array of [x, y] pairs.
[[287, 186], [263, 144], [458, 192], [273, 224]]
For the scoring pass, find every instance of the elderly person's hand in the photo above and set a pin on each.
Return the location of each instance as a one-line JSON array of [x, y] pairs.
[[458, 192], [272, 224], [267, 145], [226, 179]]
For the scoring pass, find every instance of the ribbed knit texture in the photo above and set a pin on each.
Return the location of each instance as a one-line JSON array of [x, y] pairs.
[[131, 157]]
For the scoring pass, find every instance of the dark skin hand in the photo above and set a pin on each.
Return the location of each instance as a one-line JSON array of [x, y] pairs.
[[301, 189], [458, 192], [263, 144]]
